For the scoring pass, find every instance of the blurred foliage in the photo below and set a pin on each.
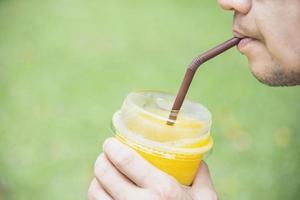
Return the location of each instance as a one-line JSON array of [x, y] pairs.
[[66, 66]]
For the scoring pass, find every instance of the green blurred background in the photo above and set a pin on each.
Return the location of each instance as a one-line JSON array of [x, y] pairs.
[[66, 66]]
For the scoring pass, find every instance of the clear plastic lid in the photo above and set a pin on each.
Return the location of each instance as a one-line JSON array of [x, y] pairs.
[[144, 115]]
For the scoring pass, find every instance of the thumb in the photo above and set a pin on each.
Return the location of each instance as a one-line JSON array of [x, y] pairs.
[[202, 186]]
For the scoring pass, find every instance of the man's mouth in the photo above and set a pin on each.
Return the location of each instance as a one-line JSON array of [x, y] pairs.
[[245, 41]]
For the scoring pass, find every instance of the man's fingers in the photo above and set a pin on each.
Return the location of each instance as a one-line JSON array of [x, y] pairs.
[[202, 186], [111, 179], [96, 192], [202, 177], [135, 167]]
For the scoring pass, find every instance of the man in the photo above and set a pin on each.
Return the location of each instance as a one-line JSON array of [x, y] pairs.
[[271, 32]]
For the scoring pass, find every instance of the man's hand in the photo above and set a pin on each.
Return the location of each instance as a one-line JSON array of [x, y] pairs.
[[121, 174]]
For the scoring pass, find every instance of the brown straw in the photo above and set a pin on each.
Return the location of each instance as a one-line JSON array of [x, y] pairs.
[[190, 72]]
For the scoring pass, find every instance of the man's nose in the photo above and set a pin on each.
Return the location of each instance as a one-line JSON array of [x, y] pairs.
[[241, 6]]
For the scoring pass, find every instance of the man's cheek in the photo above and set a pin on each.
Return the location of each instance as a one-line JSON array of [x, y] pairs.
[[284, 54], [256, 51], [259, 58]]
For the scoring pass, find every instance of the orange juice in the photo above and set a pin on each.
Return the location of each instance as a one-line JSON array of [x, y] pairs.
[[177, 149]]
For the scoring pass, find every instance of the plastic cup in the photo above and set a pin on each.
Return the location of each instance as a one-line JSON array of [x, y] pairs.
[[177, 149]]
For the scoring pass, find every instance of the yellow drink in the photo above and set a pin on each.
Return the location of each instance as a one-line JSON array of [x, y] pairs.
[[176, 150]]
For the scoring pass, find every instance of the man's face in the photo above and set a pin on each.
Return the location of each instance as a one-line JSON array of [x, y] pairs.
[[272, 44]]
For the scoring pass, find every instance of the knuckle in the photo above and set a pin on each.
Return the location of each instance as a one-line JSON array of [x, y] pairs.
[[101, 168], [99, 160], [145, 177], [167, 190], [124, 159]]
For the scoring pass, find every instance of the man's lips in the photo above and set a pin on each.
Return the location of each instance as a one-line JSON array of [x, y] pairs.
[[238, 35], [244, 41]]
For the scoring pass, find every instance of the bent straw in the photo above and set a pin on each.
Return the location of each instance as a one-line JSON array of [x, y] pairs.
[[190, 72]]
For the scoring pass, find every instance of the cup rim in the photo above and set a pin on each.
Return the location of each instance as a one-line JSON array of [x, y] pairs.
[[119, 128], [209, 121]]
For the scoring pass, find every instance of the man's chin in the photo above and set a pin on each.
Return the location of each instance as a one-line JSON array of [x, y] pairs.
[[275, 77]]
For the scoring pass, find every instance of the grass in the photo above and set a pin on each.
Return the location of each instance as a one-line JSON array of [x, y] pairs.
[[66, 66]]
